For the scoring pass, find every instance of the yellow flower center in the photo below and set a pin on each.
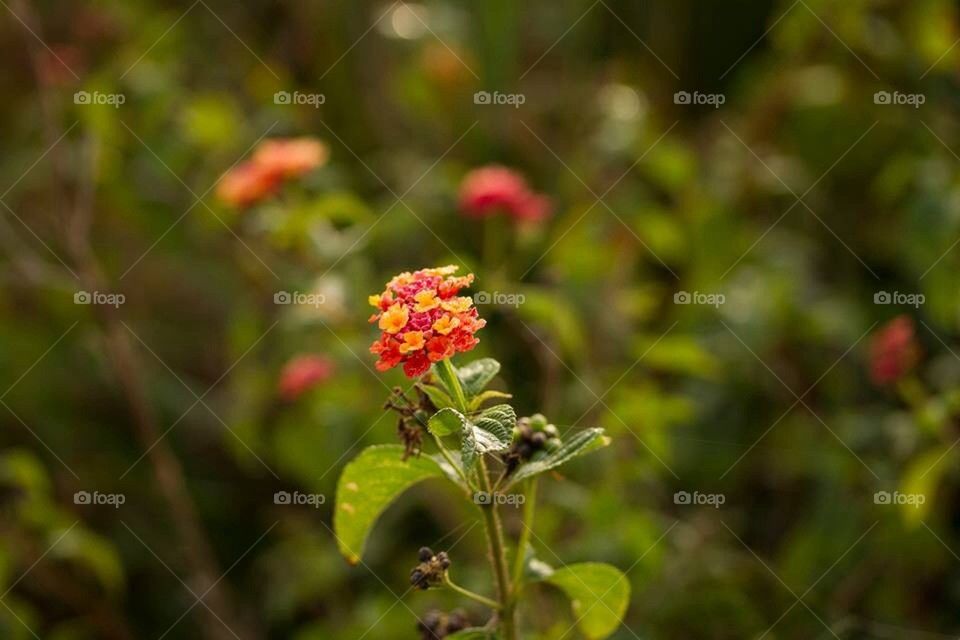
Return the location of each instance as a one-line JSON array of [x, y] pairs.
[[412, 341], [445, 324], [457, 305], [394, 319], [426, 300]]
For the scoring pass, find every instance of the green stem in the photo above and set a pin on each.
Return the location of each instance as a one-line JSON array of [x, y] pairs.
[[493, 604], [491, 517], [446, 455], [529, 507], [498, 557], [449, 376]]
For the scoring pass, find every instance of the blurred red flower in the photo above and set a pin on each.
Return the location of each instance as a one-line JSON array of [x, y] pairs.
[[893, 351], [302, 373], [492, 189]]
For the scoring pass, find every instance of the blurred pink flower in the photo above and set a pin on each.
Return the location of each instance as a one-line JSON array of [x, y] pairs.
[[302, 373], [494, 188], [893, 351]]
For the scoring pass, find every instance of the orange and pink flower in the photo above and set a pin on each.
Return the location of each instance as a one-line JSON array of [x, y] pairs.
[[493, 189], [423, 320], [290, 157], [273, 161]]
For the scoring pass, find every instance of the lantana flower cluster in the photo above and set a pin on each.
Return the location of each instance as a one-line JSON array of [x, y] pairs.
[[424, 320], [274, 161], [495, 189]]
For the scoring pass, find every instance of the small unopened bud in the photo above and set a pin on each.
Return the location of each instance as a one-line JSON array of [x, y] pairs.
[[538, 421], [533, 438], [436, 625]]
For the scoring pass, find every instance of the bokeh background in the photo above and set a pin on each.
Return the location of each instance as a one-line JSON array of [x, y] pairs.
[[796, 203]]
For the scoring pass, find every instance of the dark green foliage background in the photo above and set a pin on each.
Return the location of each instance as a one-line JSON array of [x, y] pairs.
[[700, 199]]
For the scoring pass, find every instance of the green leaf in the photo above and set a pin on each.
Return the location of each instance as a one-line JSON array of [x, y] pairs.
[[474, 376], [446, 421], [478, 401], [920, 480], [370, 482], [599, 594], [440, 398], [582, 443], [94, 553], [491, 432], [475, 443], [500, 421]]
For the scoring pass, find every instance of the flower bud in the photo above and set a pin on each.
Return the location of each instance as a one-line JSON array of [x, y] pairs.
[[533, 437], [538, 422], [436, 625]]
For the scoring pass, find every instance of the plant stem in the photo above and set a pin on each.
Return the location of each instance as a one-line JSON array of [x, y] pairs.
[[449, 376], [491, 517], [493, 604], [529, 507], [498, 557], [446, 456]]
